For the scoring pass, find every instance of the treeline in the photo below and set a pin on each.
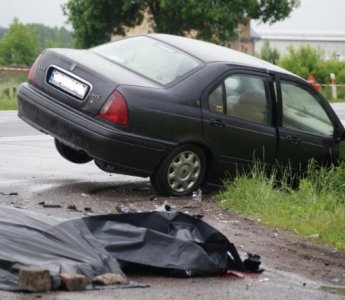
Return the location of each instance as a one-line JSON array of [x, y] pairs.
[[52, 37], [2, 31], [21, 43]]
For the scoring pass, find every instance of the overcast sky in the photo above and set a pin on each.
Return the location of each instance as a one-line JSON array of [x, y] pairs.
[[47, 12], [312, 15]]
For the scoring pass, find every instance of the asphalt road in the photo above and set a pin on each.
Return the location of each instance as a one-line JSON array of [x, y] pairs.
[[340, 110], [30, 167]]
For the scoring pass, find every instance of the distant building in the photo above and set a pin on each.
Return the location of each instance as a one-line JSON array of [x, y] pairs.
[[245, 38], [331, 44]]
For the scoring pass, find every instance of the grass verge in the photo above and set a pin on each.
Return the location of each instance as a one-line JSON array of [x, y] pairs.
[[8, 104], [336, 100], [9, 82], [316, 209], [8, 99]]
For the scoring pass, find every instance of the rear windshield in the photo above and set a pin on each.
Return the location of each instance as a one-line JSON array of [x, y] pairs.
[[149, 57]]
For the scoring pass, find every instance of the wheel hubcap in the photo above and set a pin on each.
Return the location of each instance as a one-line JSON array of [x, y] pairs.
[[184, 171]]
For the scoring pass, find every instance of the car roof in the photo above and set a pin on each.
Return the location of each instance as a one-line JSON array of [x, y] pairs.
[[209, 52]]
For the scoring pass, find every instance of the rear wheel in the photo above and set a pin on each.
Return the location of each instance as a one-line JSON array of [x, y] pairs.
[[72, 155], [181, 172]]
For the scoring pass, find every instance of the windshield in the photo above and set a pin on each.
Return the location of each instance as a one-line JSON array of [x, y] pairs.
[[149, 57]]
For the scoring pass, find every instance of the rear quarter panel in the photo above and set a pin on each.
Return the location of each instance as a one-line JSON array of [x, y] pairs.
[[170, 113]]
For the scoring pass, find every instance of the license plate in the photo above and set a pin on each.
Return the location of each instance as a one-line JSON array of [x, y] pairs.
[[68, 84]]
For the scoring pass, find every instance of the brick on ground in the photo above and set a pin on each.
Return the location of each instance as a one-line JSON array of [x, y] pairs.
[[73, 282], [109, 278], [34, 279]]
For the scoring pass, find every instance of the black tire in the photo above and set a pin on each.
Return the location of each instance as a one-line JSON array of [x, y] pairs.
[[72, 155], [181, 172]]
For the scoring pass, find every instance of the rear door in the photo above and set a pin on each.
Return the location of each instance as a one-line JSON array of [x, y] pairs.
[[306, 126], [238, 120]]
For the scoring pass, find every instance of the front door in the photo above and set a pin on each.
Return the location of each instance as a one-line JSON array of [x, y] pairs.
[[306, 129]]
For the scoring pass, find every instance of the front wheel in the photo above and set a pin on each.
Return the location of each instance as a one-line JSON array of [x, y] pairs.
[[72, 155], [181, 172]]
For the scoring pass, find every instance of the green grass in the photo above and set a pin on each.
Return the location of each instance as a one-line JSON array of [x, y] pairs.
[[8, 100], [10, 80], [316, 209], [338, 100], [8, 104]]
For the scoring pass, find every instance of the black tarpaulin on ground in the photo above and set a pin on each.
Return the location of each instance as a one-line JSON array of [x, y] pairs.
[[173, 242], [178, 243], [28, 238]]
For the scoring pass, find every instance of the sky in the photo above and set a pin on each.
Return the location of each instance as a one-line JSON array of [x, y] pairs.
[[312, 15], [47, 12]]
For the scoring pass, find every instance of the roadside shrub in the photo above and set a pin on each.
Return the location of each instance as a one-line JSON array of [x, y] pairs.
[[307, 60], [303, 61], [316, 208]]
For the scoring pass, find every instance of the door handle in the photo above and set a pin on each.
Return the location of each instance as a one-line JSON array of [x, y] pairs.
[[217, 123], [293, 140]]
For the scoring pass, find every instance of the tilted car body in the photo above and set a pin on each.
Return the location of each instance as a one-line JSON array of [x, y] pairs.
[[181, 111]]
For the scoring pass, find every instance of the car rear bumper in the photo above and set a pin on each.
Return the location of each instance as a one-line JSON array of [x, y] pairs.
[[126, 152]]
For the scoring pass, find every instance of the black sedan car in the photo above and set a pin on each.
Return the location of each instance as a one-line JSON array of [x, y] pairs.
[[180, 111]]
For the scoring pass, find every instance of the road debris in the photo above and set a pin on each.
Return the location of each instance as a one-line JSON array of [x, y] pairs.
[[88, 209], [125, 209], [73, 207], [314, 236], [153, 198], [197, 195], [9, 194], [191, 204], [275, 232], [252, 263], [51, 205], [47, 205], [164, 207]]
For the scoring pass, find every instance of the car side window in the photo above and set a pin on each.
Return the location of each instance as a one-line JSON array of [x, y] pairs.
[[215, 100], [242, 96], [302, 111]]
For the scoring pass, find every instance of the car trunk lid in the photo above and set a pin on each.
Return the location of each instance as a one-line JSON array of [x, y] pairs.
[[80, 79]]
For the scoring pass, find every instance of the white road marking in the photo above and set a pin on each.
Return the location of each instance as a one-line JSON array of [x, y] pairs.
[[24, 138]]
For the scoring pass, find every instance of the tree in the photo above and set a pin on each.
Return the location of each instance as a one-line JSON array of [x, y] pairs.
[[269, 54], [19, 45], [2, 31], [95, 21]]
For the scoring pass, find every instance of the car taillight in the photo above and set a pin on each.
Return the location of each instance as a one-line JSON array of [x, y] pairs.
[[32, 73], [115, 109]]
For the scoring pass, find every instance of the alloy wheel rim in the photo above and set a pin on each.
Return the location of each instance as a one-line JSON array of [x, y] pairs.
[[184, 171]]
